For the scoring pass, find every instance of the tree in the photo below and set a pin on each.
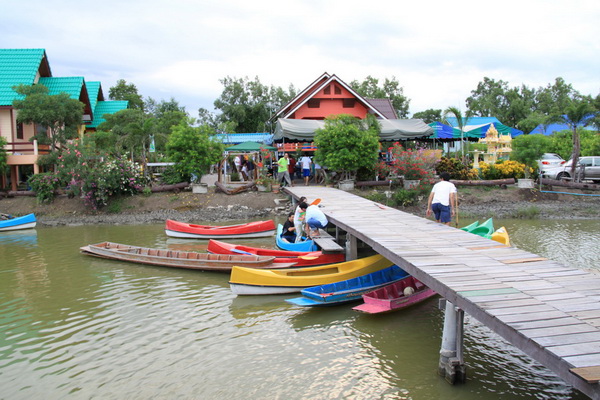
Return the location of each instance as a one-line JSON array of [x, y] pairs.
[[3, 156], [391, 89], [193, 149], [527, 149], [247, 104], [60, 114], [577, 113], [347, 144], [126, 91], [429, 116], [461, 122]]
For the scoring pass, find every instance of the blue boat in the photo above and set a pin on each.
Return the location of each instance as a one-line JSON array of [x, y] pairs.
[[348, 290], [12, 224], [283, 244]]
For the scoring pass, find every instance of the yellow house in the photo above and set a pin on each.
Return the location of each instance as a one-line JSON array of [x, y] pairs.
[[30, 67]]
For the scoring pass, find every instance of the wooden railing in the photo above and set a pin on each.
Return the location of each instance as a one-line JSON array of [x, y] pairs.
[[293, 147], [26, 148]]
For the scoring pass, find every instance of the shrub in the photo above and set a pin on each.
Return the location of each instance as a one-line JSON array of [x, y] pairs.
[[456, 169], [502, 170], [406, 198], [45, 186], [413, 164]]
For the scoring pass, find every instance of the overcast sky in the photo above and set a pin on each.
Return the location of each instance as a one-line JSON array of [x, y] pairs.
[[437, 50]]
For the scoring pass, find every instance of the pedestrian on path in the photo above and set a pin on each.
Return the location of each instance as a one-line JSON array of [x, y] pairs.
[[442, 200], [282, 170]]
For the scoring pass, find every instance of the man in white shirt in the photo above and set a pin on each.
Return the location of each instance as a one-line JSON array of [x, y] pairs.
[[442, 200], [305, 161], [314, 218]]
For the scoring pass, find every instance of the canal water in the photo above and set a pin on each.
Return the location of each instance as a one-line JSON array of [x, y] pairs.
[[78, 327]]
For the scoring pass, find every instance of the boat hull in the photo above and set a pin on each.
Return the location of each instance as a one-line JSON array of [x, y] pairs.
[[178, 259], [348, 290], [25, 222], [192, 231], [393, 297], [301, 259], [246, 281], [306, 245]]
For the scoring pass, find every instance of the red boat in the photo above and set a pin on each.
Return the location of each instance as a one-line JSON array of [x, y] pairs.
[[300, 258], [395, 296], [247, 230]]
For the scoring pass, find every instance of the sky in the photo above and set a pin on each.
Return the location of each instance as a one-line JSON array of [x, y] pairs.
[[438, 51]]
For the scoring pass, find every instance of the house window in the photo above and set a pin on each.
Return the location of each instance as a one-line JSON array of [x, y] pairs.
[[20, 130], [327, 90], [41, 130], [349, 103], [337, 89], [314, 103]]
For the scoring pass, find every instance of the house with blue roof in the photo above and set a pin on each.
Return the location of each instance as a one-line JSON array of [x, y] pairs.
[[31, 67]]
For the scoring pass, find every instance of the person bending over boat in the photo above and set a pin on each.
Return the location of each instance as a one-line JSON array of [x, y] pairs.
[[289, 231], [442, 200], [315, 219], [299, 219]]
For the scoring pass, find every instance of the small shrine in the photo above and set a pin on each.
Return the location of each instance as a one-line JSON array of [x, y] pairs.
[[498, 146]]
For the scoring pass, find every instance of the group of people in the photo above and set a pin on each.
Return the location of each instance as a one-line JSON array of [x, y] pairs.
[[287, 166], [244, 166], [304, 222]]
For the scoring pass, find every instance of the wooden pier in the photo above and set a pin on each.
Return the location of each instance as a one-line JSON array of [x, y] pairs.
[[547, 310]]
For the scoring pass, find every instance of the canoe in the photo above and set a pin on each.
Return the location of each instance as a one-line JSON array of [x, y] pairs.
[[247, 230], [395, 296], [12, 224], [300, 258], [178, 259], [306, 245], [348, 290], [247, 281], [500, 235], [470, 227], [485, 229]]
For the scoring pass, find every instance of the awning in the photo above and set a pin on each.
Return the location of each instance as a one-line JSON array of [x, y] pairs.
[[250, 146], [391, 129]]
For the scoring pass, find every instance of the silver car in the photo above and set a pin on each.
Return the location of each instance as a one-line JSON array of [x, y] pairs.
[[588, 168], [550, 160]]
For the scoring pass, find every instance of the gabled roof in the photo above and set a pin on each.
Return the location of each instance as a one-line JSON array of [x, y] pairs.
[[20, 67], [314, 88], [106, 107], [71, 85], [95, 93], [385, 106]]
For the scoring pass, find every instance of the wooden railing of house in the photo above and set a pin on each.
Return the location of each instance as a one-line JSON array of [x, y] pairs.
[[27, 148]]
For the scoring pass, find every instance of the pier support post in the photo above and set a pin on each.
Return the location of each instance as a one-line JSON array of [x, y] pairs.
[[351, 250], [451, 365]]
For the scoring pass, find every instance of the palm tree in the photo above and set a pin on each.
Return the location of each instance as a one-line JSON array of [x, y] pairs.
[[461, 122], [578, 113]]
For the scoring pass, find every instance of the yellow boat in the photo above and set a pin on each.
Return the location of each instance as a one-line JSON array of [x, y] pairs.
[[248, 281], [500, 235]]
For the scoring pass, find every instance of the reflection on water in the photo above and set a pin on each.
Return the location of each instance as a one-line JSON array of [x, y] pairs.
[[82, 327]]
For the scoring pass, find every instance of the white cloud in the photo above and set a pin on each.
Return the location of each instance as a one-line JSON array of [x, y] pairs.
[[438, 51]]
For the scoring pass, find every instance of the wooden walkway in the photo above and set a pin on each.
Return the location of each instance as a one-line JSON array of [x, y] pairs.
[[548, 310]]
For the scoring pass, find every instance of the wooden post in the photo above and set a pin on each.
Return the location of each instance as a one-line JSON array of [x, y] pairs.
[[351, 250], [451, 365]]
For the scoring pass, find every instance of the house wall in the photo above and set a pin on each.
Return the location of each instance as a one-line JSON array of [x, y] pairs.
[[331, 102], [5, 124]]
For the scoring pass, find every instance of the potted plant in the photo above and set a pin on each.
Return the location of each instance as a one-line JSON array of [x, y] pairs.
[[264, 183]]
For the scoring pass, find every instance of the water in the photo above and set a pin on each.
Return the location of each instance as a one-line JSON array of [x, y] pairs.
[[78, 327]]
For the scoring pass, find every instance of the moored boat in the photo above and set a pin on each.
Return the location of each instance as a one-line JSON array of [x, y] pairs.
[[300, 258], [247, 281], [486, 230], [305, 245], [348, 290], [395, 296], [178, 259], [500, 235], [194, 231], [15, 223]]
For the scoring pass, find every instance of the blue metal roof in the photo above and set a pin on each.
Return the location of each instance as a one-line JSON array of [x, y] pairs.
[[236, 138]]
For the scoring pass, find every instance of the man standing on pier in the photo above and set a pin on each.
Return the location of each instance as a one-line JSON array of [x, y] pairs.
[[442, 200]]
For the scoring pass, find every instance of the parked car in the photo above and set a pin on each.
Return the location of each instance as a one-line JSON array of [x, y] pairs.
[[550, 160], [588, 168]]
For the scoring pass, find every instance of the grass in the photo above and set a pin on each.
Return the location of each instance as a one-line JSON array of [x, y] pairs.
[[531, 212]]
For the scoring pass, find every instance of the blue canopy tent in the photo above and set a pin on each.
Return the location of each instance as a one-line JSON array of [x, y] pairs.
[[477, 127], [443, 131]]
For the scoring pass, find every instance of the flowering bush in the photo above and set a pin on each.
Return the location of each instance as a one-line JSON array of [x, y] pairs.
[[44, 186], [456, 169], [114, 177], [502, 170], [413, 164]]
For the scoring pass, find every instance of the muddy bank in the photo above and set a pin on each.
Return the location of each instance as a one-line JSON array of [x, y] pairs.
[[185, 206]]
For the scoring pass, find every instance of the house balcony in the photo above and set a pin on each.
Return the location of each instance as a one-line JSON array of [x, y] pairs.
[[25, 153]]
